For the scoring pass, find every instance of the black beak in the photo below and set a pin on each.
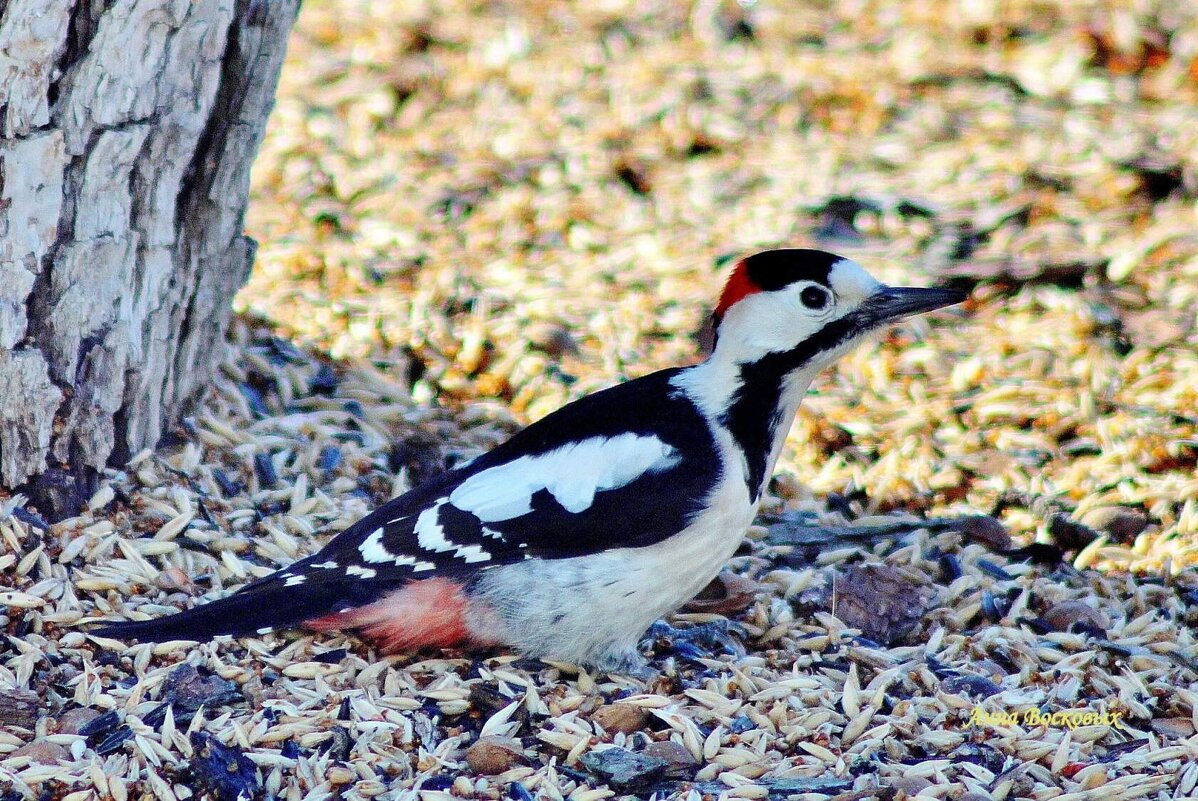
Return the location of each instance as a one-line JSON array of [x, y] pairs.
[[889, 303]]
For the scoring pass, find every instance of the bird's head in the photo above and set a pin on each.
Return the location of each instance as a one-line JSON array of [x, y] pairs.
[[811, 305]]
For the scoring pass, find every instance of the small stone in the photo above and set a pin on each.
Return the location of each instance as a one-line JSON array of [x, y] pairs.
[[187, 689], [73, 720], [970, 685], [1064, 615], [824, 785], [42, 752], [553, 339], [1173, 728], [624, 718], [1070, 534], [56, 493], [19, 708], [1120, 523], [987, 530], [910, 785], [680, 762], [622, 770], [62, 675], [254, 690], [884, 602], [491, 756], [728, 594]]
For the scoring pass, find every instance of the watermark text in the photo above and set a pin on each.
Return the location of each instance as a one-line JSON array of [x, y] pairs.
[[1069, 718]]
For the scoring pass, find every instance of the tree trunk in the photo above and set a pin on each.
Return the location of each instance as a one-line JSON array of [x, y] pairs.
[[127, 130]]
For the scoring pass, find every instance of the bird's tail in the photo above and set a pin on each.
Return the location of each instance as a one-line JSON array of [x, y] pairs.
[[264, 605]]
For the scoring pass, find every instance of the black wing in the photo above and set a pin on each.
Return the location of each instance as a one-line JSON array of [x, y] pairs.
[[625, 422]]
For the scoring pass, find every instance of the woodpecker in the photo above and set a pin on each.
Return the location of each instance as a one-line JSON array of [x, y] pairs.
[[571, 538]]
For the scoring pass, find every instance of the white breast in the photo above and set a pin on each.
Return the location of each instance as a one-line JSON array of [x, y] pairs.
[[585, 608]]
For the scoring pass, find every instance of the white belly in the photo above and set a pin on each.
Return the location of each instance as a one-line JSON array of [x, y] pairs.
[[586, 608]]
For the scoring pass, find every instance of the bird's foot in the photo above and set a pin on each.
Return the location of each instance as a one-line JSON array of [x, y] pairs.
[[625, 663], [701, 641]]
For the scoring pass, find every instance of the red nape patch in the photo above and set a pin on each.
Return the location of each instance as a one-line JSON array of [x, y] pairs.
[[429, 613], [739, 286]]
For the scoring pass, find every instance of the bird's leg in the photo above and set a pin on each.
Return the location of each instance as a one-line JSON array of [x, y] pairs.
[[625, 662], [699, 641]]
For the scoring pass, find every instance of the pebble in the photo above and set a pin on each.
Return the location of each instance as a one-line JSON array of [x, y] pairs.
[[680, 763], [824, 785], [19, 708], [987, 530], [491, 756], [1062, 616], [624, 718], [1120, 523], [622, 770], [41, 751], [911, 785], [1173, 728], [884, 602], [187, 689], [1069, 533], [553, 339]]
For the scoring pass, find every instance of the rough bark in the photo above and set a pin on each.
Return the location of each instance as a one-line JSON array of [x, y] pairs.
[[127, 130]]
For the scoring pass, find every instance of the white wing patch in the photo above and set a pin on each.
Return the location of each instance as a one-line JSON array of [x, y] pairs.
[[571, 473], [373, 551], [372, 548], [431, 536], [361, 572]]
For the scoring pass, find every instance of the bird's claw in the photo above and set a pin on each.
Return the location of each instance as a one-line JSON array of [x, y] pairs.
[[697, 642], [626, 663]]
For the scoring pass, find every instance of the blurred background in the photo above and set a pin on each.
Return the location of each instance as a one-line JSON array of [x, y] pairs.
[[508, 205]]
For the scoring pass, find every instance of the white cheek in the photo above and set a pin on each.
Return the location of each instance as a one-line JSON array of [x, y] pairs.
[[771, 321]]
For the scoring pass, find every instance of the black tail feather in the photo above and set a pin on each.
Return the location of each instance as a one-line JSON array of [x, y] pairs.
[[265, 605]]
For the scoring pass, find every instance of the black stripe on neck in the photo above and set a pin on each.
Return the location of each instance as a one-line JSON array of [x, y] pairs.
[[755, 414]]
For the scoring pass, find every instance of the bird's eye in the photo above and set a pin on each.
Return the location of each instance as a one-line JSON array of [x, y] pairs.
[[814, 298]]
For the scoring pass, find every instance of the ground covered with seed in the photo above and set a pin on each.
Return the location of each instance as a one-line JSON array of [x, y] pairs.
[[974, 576]]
